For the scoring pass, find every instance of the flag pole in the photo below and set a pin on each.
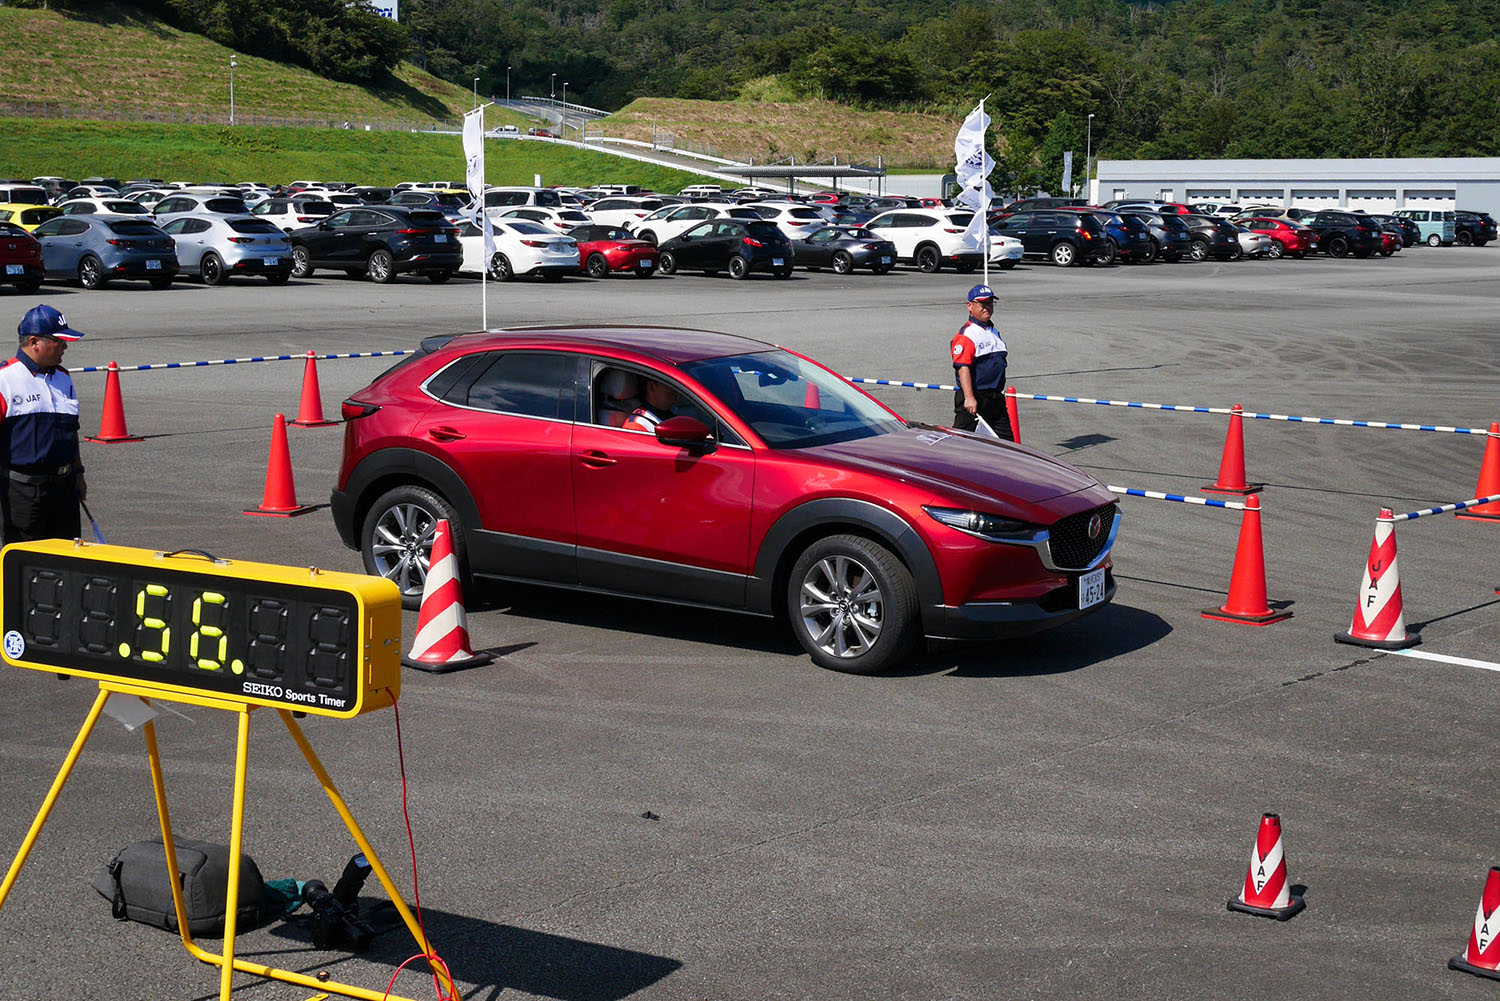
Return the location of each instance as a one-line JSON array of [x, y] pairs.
[[985, 212], [484, 264]]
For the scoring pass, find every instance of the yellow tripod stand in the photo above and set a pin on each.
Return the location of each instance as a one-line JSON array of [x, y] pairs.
[[227, 962]]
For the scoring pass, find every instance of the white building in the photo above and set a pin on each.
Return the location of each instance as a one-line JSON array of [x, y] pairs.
[[1374, 185]]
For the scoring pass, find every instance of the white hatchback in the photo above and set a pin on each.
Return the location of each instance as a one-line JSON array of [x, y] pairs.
[[522, 247], [930, 238], [797, 221], [622, 210]]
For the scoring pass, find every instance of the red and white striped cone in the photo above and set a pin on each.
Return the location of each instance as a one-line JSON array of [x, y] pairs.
[[1482, 958], [1379, 621], [1267, 892], [442, 640]]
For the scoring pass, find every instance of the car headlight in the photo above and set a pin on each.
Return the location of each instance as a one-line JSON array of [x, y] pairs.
[[985, 526]]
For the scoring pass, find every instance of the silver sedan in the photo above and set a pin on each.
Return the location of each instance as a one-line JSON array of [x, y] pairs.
[[219, 247], [1253, 244]]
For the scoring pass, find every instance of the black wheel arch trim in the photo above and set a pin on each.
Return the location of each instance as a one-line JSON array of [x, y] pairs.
[[397, 466], [841, 514]]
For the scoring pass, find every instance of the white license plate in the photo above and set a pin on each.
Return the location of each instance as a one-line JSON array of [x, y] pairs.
[[270, 262], [778, 261], [885, 260], [1091, 588], [440, 238], [153, 265], [646, 264], [14, 269]]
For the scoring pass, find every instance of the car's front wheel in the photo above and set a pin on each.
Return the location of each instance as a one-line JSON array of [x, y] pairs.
[[852, 605], [301, 262], [396, 539], [500, 268], [1276, 251], [667, 263], [1434, 240]]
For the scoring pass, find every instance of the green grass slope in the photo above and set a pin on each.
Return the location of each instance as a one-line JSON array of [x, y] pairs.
[[117, 61], [33, 148]]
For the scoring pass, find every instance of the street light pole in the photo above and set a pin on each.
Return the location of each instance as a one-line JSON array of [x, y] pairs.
[[1088, 160], [233, 62], [507, 86], [565, 92], [476, 92], [554, 86]]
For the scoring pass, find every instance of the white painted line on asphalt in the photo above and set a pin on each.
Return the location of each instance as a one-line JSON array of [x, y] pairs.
[[1483, 665]]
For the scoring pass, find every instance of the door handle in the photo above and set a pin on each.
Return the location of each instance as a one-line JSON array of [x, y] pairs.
[[441, 432], [595, 459]]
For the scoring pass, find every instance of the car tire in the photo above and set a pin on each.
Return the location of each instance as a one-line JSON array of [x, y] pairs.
[[597, 266], [1362, 253], [1480, 243], [842, 263], [211, 268], [1064, 255], [739, 268], [301, 262], [165, 281], [1276, 251], [1198, 251], [1237, 253], [929, 260], [438, 277], [1152, 253], [279, 278], [380, 266], [1464, 239], [1386, 253], [1111, 252], [647, 235], [1337, 247], [667, 262], [1434, 240], [852, 605], [91, 273], [500, 268], [395, 539]]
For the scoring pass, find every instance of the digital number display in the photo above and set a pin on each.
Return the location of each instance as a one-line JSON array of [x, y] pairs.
[[282, 636]]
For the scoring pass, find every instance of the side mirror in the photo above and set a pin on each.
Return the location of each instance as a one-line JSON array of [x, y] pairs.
[[685, 432], [324, 225]]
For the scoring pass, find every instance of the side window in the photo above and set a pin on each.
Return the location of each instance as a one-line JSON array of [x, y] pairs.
[[728, 229], [73, 227], [174, 227], [701, 230], [527, 383], [52, 227], [551, 199], [197, 226]]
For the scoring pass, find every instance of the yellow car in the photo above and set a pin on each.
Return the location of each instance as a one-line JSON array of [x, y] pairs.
[[28, 217]]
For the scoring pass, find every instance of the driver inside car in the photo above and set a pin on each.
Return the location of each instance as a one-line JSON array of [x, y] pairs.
[[660, 398]]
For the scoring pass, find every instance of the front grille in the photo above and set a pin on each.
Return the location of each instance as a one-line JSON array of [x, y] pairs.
[[1072, 549]]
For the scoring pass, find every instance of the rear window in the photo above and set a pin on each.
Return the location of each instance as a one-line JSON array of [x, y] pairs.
[[33, 217], [961, 218], [804, 214], [452, 201], [1173, 223], [530, 228], [132, 227], [126, 208], [252, 226], [427, 218], [573, 216], [765, 230], [319, 207], [25, 196], [225, 205]]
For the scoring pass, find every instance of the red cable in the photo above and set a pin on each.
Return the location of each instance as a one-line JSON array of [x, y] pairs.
[[416, 895]]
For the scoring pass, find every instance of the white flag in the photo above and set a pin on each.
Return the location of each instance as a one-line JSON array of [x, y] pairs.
[[975, 231], [489, 238], [1067, 180], [968, 147], [474, 154], [982, 426], [976, 195]]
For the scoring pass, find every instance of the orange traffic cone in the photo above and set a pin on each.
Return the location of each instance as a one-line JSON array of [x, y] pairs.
[[112, 417], [442, 640], [1482, 958], [1489, 480], [310, 408], [1247, 581], [280, 497], [1379, 620], [1232, 466], [1267, 892], [1013, 413]]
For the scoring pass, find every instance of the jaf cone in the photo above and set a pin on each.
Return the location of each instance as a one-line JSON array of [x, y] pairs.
[[1267, 891], [1379, 620], [280, 497], [310, 407], [1482, 957], [1014, 413], [112, 418], [1231, 479], [1247, 582], [1489, 479], [442, 640]]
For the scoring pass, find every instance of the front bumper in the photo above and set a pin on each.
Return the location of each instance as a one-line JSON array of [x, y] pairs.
[[980, 620]]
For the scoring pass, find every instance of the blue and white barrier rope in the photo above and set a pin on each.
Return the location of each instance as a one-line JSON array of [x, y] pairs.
[[1179, 498], [243, 361], [1444, 509], [1248, 415]]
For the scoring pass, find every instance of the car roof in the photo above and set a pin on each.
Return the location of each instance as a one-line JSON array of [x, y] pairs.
[[672, 345]]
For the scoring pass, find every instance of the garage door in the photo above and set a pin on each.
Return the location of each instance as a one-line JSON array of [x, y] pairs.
[[1434, 199], [1372, 199], [1262, 196], [1207, 195], [1315, 198]]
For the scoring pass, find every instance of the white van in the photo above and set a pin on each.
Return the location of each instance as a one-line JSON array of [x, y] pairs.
[[696, 190], [505, 130], [509, 198]]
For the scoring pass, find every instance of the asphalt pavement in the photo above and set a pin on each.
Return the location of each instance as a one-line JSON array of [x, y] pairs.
[[662, 803]]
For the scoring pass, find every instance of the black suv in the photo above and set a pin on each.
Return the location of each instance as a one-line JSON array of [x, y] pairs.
[[1034, 204], [381, 241], [1473, 229], [1170, 235], [1341, 233], [1216, 238], [729, 245], [1066, 238], [1411, 233]]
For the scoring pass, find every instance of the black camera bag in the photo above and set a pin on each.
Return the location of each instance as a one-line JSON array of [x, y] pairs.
[[135, 884]]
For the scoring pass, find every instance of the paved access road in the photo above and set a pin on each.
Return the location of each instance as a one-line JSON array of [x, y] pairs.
[[660, 803]]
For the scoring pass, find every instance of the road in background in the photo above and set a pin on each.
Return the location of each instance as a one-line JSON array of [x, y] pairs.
[[663, 803]]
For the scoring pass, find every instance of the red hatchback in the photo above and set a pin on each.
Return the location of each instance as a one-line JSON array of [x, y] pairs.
[[1288, 236], [602, 249], [771, 486], [20, 258]]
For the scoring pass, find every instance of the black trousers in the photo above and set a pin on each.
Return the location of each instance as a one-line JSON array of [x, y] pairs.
[[39, 507], [991, 408]]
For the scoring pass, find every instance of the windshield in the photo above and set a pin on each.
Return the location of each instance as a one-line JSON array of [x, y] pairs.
[[791, 403]]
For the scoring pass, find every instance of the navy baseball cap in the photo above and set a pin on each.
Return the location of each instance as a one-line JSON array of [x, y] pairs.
[[44, 321], [979, 292]]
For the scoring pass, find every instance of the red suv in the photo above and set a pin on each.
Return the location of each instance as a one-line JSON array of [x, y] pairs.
[[772, 486]]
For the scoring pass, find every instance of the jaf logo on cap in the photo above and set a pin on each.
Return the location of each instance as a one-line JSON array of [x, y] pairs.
[[980, 292], [44, 321]]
